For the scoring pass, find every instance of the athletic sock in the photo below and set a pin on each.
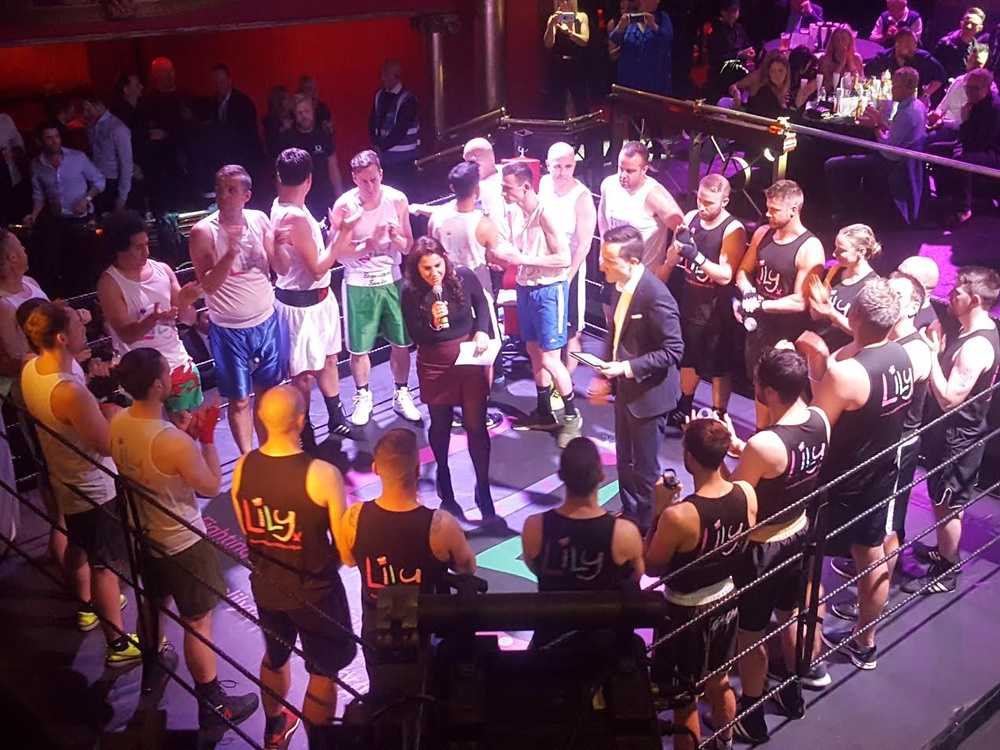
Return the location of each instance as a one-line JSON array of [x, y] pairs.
[[544, 393], [402, 386], [334, 409], [684, 403], [365, 387], [119, 644], [209, 691], [87, 607], [569, 405], [719, 411], [274, 724]]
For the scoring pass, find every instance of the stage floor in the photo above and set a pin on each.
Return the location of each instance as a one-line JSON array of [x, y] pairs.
[[934, 656]]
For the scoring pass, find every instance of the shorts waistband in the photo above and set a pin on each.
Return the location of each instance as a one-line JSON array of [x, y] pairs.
[[702, 596], [301, 298], [778, 532]]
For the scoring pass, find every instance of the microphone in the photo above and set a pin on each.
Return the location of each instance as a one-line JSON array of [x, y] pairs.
[[443, 320]]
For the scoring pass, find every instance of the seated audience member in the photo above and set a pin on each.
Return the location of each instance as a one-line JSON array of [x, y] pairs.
[[179, 562], [907, 130], [978, 141], [607, 549], [296, 584], [802, 13], [199, 345], [681, 533], [804, 67], [77, 448], [897, 17], [728, 50], [943, 121], [278, 120], [954, 48], [644, 59], [567, 45], [926, 271], [771, 97], [396, 531], [840, 58], [905, 54]]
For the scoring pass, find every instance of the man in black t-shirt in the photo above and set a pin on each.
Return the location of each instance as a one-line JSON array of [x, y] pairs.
[[320, 143]]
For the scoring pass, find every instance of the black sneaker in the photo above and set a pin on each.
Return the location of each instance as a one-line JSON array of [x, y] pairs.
[[845, 610], [493, 419], [308, 438], [944, 585], [927, 554], [676, 417], [339, 429], [863, 657], [217, 716], [816, 678], [536, 420], [750, 726], [790, 702], [844, 567]]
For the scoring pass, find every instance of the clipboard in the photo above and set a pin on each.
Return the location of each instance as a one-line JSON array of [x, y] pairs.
[[467, 353], [589, 359]]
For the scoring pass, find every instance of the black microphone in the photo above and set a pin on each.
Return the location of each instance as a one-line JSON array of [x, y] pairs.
[[443, 321]]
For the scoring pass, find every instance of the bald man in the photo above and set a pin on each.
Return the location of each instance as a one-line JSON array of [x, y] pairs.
[[287, 504], [394, 127], [571, 206], [507, 220], [926, 271], [171, 123]]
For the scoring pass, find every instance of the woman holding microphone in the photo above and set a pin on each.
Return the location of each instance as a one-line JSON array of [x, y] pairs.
[[444, 306]]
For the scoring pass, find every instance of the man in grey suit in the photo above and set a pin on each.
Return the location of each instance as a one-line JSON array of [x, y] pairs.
[[644, 351]]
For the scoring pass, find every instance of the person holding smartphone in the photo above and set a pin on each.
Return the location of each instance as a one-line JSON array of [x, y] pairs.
[[567, 34], [645, 39]]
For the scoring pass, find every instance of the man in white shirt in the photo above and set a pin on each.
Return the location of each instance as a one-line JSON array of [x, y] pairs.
[[944, 119]]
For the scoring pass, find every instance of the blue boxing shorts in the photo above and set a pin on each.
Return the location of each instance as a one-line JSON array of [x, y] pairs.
[[541, 313], [247, 358]]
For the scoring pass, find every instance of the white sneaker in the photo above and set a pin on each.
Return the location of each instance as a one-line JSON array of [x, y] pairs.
[[402, 404], [362, 407]]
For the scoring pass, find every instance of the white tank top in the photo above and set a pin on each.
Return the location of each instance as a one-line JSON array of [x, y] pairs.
[[20, 348], [456, 232], [381, 266], [299, 278], [531, 242], [622, 207], [132, 450], [562, 208], [140, 298], [65, 466], [245, 299]]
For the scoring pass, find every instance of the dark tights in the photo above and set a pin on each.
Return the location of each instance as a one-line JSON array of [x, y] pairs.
[[439, 436]]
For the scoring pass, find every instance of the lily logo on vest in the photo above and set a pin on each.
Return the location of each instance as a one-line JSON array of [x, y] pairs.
[[388, 575], [267, 527]]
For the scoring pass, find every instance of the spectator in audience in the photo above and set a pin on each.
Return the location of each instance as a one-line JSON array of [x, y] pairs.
[[394, 128], [690, 663], [728, 50], [142, 302], [771, 98], [978, 139], [236, 112], [907, 130], [198, 343], [953, 49], [296, 583], [579, 546], [320, 143], [309, 89], [460, 302], [279, 119], [802, 13], [130, 109], [11, 164], [179, 562], [841, 57], [944, 120], [804, 67], [61, 108], [396, 532], [926, 271], [897, 17], [16, 288], [233, 254], [111, 150], [644, 61], [171, 125], [80, 471], [567, 41], [904, 53]]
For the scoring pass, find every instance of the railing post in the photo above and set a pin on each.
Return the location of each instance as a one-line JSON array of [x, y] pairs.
[[812, 562]]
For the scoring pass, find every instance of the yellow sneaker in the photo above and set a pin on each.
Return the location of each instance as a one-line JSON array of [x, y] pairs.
[[87, 619], [129, 654]]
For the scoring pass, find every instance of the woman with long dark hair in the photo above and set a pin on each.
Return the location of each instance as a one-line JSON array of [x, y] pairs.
[[444, 306]]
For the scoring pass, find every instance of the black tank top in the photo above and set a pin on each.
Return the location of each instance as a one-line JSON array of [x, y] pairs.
[[841, 298], [700, 295], [806, 445], [394, 548], [925, 316], [915, 414], [974, 414], [576, 554], [565, 47], [776, 272], [720, 519], [287, 533], [859, 435]]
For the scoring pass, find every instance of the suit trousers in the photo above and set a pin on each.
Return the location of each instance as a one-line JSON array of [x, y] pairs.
[[637, 446]]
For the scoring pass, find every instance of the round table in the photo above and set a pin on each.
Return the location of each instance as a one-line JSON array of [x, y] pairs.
[[864, 47]]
